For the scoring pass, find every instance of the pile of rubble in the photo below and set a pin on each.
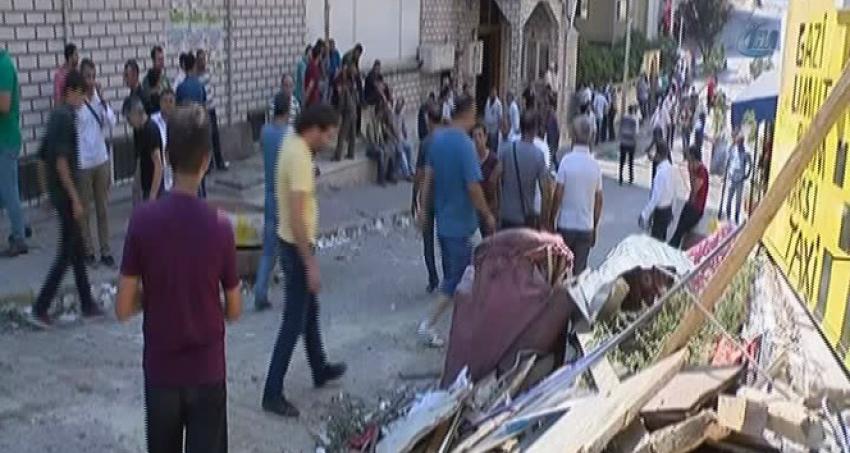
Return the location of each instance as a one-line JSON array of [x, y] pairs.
[[523, 389]]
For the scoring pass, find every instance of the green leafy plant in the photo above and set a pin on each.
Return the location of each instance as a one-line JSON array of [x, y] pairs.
[[759, 66], [600, 63], [704, 20]]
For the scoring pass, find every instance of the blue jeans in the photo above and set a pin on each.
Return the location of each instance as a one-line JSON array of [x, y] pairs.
[[405, 159], [300, 317], [736, 191], [271, 250], [457, 254], [10, 198]]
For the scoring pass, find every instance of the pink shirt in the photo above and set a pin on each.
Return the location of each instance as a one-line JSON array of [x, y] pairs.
[[59, 84]]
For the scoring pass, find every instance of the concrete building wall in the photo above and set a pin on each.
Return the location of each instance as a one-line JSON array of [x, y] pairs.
[[266, 38]]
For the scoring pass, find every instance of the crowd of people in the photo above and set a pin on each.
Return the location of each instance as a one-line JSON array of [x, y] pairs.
[[470, 175]]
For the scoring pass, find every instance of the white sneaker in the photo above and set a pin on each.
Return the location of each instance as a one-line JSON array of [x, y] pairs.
[[429, 336]]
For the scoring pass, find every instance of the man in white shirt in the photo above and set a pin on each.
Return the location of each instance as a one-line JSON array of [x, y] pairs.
[[95, 119], [513, 117], [658, 212], [541, 145], [493, 118], [167, 104], [578, 195]]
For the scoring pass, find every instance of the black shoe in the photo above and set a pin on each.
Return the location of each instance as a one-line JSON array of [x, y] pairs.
[[41, 321], [16, 248], [433, 286], [28, 232], [90, 260], [331, 372], [281, 407], [262, 305], [350, 157], [107, 260], [93, 312]]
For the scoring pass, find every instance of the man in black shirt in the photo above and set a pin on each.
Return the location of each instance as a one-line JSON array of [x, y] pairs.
[[131, 81], [148, 144], [59, 151]]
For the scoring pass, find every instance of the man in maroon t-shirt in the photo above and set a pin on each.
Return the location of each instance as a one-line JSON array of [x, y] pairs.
[[695, 206], [182, 250], [313, 75]]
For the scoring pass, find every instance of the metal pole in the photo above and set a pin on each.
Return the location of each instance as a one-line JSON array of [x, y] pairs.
[[628, 54], [681, 28]]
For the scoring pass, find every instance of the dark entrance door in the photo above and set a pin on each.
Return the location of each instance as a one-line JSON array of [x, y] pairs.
[[490, 32]]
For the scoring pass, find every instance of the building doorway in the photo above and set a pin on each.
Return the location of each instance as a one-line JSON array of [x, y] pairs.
[[490, 30]]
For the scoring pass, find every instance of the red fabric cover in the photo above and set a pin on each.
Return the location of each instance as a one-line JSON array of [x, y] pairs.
[[508, 305]]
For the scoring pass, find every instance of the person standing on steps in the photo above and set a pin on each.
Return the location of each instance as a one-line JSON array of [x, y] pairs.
[[10, 149], [628, 142], [434, 118], [695, 206], [577, 207], [271, 138], [72, 60], [298, 220], [658, 212], [60, 153], [183, 252], [452, 176], [95, 119], [205, 76]]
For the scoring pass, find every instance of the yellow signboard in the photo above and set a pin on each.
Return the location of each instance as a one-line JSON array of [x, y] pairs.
[[810, 236]]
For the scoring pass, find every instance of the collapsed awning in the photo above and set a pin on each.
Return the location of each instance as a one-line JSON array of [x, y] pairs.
[[760, 96]]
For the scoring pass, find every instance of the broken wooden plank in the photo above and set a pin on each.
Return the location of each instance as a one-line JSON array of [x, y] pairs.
[[588, 427], [742, 415], [686, 393], [751, 233], [604, 376], [788, 419], [687, 435]]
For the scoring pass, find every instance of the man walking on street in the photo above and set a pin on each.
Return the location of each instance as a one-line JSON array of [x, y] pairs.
[[191, 91], [94, 120], [493, 118], [10, 149], [131, 81], [738, 171], [298, 220], [628, 142], [183, 251], [72, 59], [525, 171], [60, 153], [158, 61], [658, 212], [271, 138], [513, 117], [434, 118], [205, 77], [695, 206], [167, 104], [577, 206], [600, 109], [453, 177], [148, 146]]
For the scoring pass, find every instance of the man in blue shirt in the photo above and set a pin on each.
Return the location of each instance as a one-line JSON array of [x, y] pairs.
[[452, 176], [191, 91], [271, 138]]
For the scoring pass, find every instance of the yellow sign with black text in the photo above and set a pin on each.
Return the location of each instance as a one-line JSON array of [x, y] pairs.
[[810, 236]]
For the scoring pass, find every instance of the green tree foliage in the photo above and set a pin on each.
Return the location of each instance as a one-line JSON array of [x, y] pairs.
[[704, 20], [600, 63]]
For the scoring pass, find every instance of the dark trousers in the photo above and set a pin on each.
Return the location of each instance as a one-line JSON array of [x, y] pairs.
[[600, 130], [428, 249], [347, 135], [580, 243], [609, 120], [71, 252], [688, 219], [661, 219], [198, 411], [627, 154], [300, 317], [218, 158]]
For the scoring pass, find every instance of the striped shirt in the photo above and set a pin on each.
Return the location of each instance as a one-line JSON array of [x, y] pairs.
[[206, 81]]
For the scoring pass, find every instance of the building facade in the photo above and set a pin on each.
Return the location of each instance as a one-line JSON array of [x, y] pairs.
[[604, 21], [251, 43]]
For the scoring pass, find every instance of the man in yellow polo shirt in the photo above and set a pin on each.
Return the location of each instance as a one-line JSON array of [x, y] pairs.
[[298, 217]]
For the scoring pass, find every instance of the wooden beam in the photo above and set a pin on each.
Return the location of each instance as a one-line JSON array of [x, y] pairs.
[[589, 426], [687, 435], [833, 109]]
